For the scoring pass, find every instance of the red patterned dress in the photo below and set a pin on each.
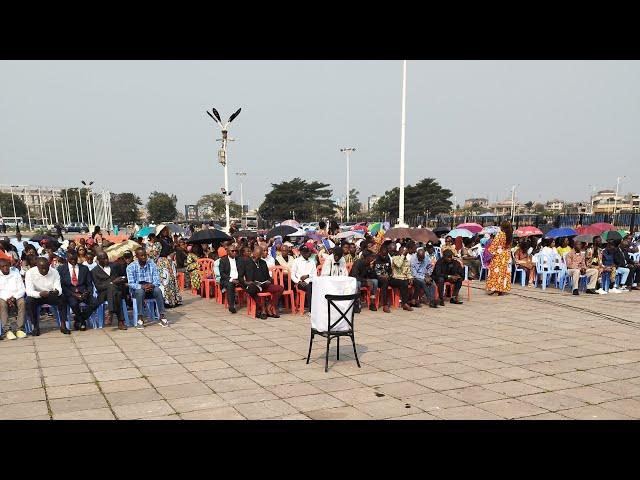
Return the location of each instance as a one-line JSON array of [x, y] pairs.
[[499, 276]]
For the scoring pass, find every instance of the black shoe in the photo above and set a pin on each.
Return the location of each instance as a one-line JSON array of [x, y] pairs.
[[36, 332], [83, 326], [65, 330], [76, 325], [356, 308], [575, 291], [433, 304], [591, 292], [263, 316], [372, 307], [441, 302], [455, 301], [232, 309]]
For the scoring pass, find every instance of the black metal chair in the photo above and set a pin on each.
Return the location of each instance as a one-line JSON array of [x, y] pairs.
[[331, 333]]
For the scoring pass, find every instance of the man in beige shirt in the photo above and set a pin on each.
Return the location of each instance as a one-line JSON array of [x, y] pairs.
[[577, 266]]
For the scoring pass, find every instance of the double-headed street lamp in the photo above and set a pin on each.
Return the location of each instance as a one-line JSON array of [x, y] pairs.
[[348, 151], [222, 154], [90, 213], [402, 136]]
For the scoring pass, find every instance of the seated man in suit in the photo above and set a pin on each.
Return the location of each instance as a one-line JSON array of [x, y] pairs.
[[447, 269], [229, 275], [77, 288], [109, 280], [254, 277]]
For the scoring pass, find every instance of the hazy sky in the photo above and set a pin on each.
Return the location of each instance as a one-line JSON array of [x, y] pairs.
[[554, 127]]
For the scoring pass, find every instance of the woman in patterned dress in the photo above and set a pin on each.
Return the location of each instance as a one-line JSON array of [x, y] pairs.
[[191, 264], [499, 275], [164, 252]]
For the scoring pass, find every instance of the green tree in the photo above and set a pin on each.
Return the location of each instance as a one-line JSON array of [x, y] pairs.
[[6, 205], [162, 207], [212, 206], [355, 206], [425, 195], [124, 208], [308, 199]]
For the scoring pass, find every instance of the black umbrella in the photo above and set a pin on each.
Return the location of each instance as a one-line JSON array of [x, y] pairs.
[[441, 230], [246, 233], [174, 228], [39, 238], [282, 230], [209, 236]]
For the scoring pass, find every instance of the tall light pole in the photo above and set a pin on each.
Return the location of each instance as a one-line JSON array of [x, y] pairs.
[[222, 154], [593, 191], [615, 199], [14, 204], [348, 151], [28, 209], [513, 199], [90, 214], [242, 222], [402, 136], [81, 218]]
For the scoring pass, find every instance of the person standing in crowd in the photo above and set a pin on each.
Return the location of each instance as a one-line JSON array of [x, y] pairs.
[[448, 269], [58, 230], [322, 229], [77, 288], [576, 266], [109, 280], [335, 264], [229, 275], [11, 297], [421, 270], [254, 277], [164, 254], [3, 226], [303, 271], [143, 279], [42, 285], [499, 275]]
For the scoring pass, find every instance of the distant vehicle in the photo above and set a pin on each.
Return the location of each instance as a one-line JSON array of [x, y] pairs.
[[311, 226], [12, 221], [346, 226], [75, 227], [251, 222]]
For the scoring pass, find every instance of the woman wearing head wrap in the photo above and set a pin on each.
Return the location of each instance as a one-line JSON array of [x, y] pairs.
[[164, 251]]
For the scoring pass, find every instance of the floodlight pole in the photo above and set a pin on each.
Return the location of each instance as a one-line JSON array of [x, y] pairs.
[[348, 151], [402, 141], [242, 174]]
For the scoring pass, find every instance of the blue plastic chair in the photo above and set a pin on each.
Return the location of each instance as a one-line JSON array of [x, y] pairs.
[[28, 324], [483, 268], [148, 304], [545, 270]]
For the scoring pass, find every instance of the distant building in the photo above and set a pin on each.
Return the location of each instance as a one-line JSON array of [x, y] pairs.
[[606, 201], [504, 207], [371, 201], [476, 202], [555, 206]]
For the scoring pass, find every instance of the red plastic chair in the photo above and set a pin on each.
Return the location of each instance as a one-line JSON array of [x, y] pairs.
[[287, 295], [251, 304], [180, 279], [205, 266]]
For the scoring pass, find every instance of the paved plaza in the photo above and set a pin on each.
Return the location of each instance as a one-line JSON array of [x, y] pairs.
[[528, 355]]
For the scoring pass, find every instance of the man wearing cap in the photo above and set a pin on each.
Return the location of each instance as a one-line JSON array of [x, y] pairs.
[[229, 275], [303, 271]]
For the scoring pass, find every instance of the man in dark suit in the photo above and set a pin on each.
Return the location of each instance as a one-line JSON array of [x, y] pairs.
[[447, 269], [254, 277], [110, 280], [229, 266], [77, 288]]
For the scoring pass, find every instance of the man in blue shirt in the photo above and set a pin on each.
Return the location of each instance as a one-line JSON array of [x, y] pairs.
[[421, 269], [144, 281]]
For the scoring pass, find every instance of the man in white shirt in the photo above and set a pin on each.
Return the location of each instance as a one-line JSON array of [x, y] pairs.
[[303, 271], [269, 260], [43, 287], [335, 264], [11, 296]]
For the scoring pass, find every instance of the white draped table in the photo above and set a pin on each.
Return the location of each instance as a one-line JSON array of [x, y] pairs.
[[329, 285]]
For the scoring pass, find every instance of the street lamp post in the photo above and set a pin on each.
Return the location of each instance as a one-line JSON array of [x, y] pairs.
[[348, 151], [222, 153], [14, 207], [90, 213], [242, 218], [402, 139], [615, 199], [593, 191], [27, 205]]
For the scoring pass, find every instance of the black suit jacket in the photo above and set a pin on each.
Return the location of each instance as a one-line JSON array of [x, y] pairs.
[[103, 281], [85, 282], [225, 269], [249, 272]]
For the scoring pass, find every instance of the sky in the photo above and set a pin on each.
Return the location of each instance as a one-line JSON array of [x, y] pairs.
[[551, 127]]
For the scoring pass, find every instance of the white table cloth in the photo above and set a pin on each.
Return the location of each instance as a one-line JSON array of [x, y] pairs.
[[338, 285]]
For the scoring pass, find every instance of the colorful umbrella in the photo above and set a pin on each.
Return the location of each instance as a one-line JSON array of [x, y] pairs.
[[611, 236], [603, 226], [585, 238], [362, 228], [291, 223], [314, 236], [349, 234], [144, 232], [527, 231], [588, 230], [492, 230], [460, 232], [374, 228], [561, 232], [472, 227]]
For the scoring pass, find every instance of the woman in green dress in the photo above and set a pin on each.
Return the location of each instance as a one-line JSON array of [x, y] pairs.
[[191, 264]]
